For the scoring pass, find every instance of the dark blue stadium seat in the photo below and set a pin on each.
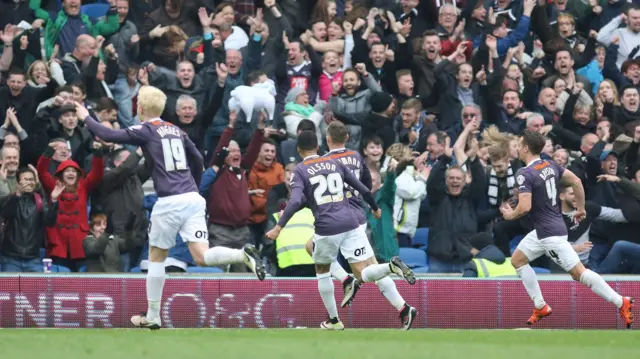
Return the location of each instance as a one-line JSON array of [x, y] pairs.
[[135, 270], [539, 270], [59, 269], [43, 253], [95, 10], [204, 270], [514, 243], [413, 257], [421, 239], [82, 269]]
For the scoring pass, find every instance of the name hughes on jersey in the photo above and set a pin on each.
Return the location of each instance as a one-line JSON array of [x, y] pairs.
[[164, 131]]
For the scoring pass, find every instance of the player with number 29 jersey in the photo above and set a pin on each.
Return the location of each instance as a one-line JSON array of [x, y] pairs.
[[542, 179], [319, 183]]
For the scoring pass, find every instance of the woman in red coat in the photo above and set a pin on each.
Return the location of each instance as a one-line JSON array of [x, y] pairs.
[[64, 244]]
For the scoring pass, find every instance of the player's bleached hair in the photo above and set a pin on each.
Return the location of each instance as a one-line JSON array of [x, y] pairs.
[[532, 117], [498, 143], [152, 100], [186, 98]]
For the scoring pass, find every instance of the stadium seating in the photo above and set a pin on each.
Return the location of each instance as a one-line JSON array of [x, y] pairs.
[[514, 243], [82, 269], [421, 269], [204, 270], [95, 10], [539, 270], [59, 269], [421, 238], [135, 270], [413, 257]]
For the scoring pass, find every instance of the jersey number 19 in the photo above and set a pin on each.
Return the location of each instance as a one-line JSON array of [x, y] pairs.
[[173, 153]]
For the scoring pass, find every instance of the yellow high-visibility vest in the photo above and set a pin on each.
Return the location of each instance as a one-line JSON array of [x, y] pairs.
[[291, 242], [487, 268]]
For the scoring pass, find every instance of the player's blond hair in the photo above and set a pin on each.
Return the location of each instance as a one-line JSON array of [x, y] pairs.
[[152, 102]]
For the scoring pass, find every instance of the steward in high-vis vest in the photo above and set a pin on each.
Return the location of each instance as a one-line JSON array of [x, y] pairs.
[[489, 262], [293, 259], [488, 269]]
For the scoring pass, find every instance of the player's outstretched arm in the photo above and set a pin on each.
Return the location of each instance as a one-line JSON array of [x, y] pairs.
[[127, 136]]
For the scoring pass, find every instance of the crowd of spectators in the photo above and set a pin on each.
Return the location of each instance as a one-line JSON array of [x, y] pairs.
[[434, 95]]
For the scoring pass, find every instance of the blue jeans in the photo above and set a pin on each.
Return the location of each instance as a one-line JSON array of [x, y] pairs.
[[10, 264], [597, 255], [437, 266], [125, 262], [624, 258]]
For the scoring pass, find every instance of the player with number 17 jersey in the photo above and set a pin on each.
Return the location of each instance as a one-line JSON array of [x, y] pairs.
[[319, 183]]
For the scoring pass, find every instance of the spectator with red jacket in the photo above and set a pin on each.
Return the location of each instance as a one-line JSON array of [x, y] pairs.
[[65, 239]]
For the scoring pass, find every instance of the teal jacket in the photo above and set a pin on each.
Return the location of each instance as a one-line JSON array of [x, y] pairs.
[[52, 27], [382, 231]]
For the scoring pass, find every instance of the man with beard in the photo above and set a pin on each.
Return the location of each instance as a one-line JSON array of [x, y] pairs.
[[579, 232], [423, 68], [508, 116], [65, 26], [264, 174], [629, 36]]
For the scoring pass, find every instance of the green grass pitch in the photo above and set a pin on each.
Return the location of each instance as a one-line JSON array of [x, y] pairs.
[[314, 343]]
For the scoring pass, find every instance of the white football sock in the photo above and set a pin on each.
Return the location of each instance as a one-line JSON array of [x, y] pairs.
[[222, 255], [338, 272], [388, 289], [600, 287], [155, 283], [530, 282], [375, 272], [325, 287]]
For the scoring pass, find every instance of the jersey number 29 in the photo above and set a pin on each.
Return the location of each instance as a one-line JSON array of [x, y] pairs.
[[331, 182], [173, 153], [552, 192]]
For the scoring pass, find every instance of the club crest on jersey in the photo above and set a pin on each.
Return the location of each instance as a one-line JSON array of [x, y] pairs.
[[520, 180]]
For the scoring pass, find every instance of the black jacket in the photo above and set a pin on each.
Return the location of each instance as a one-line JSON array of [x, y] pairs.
[[122, 199], [25, 225], [453, 219]]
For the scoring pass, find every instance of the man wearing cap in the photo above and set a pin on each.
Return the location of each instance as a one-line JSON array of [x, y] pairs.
[[78, 138]]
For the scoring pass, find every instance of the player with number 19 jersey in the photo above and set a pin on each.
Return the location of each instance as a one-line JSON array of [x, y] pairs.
[[177, 163], [542, 179], [319, 183]]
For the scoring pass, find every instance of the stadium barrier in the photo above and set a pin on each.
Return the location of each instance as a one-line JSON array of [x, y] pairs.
[[108, 301]]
